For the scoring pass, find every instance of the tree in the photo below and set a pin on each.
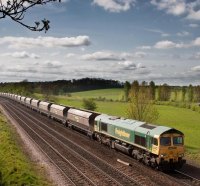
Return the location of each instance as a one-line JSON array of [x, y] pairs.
[[135, 87], [183, 93], [190, 93], [16, 9], [164, 92], [89, 104], [141, 107], [152, 89], [127, 87], [197, 93], [175, 94]]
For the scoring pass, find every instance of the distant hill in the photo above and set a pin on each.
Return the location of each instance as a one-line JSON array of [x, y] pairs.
[[59, 86]]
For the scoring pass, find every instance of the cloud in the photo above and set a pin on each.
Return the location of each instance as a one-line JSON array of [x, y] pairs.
[[174, 7], [163, 34], [192, 25], [194, 10], [139, 55], [170, 44], [112, 56], [195, 56], [194, 15], [102, 56], [196, 68], [196, 42], [52, 64], [189, 9], [183, 33], [25, 42], [130, 65], [22, 54], [165, 44], [145, 47], [70, 55], [115, 5]]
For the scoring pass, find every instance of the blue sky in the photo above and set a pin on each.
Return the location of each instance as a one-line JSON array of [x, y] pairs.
[[130, 40]]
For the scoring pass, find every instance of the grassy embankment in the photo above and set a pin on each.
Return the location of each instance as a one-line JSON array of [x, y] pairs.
[[15, 167], [183, 119]]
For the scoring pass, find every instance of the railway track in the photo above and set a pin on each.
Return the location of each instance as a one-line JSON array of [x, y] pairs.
[[185, 178], [73, 175], [91, 165], [176, 176]]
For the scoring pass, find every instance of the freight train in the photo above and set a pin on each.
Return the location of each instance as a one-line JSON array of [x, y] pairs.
[[160, 147]]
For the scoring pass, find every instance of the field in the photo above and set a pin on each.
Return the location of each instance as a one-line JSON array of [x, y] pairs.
[[15, 168], [183, 119]]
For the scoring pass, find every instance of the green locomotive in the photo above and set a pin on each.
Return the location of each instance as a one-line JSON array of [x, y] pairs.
[[157, 146]]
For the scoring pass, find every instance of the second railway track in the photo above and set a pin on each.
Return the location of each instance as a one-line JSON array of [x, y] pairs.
[[95, 169], [76, 149]]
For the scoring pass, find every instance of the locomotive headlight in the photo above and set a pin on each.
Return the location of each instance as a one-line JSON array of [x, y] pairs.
[[181, 155], [163, 155]]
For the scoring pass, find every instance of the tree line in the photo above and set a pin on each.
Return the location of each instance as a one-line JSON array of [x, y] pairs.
[[164, 92], [59, 87]]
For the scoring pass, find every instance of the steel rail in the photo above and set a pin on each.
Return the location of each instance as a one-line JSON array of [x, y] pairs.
[[197, 181], [94, 156], [80, 147], [71, 164], [76, 154]]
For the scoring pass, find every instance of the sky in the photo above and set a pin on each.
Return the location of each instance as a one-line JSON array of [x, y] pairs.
[[123, 40]]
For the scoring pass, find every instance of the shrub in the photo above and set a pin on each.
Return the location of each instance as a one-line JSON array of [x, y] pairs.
[[89, 104]]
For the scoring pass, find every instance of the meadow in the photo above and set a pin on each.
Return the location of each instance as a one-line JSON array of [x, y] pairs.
[[183, 119], [15, 167]]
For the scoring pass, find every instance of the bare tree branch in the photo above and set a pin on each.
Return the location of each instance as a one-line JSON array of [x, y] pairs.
[[16, 9]]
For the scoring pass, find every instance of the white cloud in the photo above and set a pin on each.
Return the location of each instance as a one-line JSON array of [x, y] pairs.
[[165, 44], [194, 10], [194, 15], [52, 64], [139, 55], [170, 44], [22, 54], [145, 47], [196, 56], [163, 34], [70, 55], [130, 65], [26, 42], [174, 7], [190, 9], [192, 25], [196, 42], [112, 56], [196, 68], [115, 5], [103, 56], [183, 33]]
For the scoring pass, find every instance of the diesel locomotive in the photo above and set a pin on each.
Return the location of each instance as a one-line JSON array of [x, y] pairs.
[[160, 147]]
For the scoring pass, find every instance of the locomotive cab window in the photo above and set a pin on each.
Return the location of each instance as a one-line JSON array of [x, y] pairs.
[[165, 141], [104, 127], [178, 140], [155, 141]]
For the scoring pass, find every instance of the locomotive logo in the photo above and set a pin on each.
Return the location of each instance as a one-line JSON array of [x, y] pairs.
[[122, 133]]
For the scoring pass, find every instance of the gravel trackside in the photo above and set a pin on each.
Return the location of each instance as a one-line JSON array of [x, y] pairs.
[[36, 156]]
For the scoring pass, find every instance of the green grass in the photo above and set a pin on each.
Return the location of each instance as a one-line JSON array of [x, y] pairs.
[[15, 168], [114, 94]]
